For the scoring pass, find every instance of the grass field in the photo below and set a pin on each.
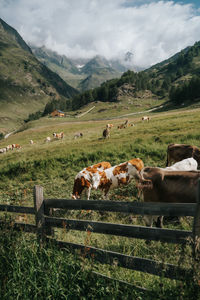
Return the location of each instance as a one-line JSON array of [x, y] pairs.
[[54, 166]]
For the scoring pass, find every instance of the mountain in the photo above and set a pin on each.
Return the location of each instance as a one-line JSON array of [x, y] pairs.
[[175, 81], [82, 74], [26, 85]]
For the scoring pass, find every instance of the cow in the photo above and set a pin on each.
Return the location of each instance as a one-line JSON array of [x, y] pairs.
[[106, 133], [159, 185], [17, 146], [145, 118], [83, 178], [3, 150], [123, 125], [106, 179], [187, 164], [178, 152], [78, 135], [9, 147], [48, 139], [58, 135]]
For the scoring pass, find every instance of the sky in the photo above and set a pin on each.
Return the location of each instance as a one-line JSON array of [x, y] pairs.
[[151, 30]]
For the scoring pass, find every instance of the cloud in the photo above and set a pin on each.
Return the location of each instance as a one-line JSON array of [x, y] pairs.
[[152, 30]]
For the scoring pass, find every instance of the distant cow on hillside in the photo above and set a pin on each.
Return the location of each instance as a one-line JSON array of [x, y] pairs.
[[106, 133], [48, 139], [178, 152], [145, 118], [58, 135], [17, 146], [78, 135]]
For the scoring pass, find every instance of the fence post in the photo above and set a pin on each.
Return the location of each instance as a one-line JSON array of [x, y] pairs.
[[196, 225], [39, 211]]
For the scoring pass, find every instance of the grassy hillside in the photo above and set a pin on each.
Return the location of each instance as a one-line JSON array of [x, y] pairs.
[[26, 85], [54, 166]]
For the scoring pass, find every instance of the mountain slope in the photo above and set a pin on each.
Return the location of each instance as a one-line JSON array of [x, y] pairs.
[[83, 76], [167, 80], [26, 85]]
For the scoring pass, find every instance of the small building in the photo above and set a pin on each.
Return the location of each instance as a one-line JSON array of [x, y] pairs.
[[57, 113]]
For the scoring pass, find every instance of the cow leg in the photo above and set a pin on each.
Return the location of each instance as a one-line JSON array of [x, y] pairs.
[[88, 193], [148, 220], [159, 222]]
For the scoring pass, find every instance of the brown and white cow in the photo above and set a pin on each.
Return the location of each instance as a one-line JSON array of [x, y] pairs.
[[17, 146], [159, 185], [123, 125], [106, 133], [145, 118], [84, 177], [58, 135], [106, 179], [178, 152]]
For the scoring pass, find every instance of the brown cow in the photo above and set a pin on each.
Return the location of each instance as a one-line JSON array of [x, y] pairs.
[[178, 152], [106, 133], [158, 185]]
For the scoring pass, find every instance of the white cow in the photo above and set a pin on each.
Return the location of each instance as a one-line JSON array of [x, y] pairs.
[[48, 139], [188, 164]]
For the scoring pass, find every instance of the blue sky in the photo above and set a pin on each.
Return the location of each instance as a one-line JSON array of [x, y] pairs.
[[152, 30]]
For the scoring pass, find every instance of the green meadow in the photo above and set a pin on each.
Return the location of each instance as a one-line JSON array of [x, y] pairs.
[[54, 166]]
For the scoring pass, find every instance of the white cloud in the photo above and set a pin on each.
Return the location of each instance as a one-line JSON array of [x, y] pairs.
[[152, 30]]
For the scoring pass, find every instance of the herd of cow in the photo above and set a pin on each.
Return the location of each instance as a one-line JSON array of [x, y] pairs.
[[174, 184], [10, 147]]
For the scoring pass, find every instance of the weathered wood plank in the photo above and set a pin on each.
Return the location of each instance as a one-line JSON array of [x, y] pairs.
[[140, 232], [17, 209], [39, 210], [137, 208], [125, 261], [196, 224]]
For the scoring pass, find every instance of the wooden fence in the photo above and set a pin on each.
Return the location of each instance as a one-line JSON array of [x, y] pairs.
[[44, 223]]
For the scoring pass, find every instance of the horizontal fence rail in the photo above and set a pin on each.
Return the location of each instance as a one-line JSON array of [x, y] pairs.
[[20, 226], [125, 261], [140, 232], [44, 221], [17, 209], [137, 208]]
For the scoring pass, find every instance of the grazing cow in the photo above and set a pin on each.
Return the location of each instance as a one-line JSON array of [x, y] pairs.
[[177, 152], [145, 118], [9, 147], [17, 146], [3, 150], [48, 139], [83, 178], [58, 135], [106, 133], [106, 179], [31, 142], [78, 135], [123, 125], [159, 185]]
